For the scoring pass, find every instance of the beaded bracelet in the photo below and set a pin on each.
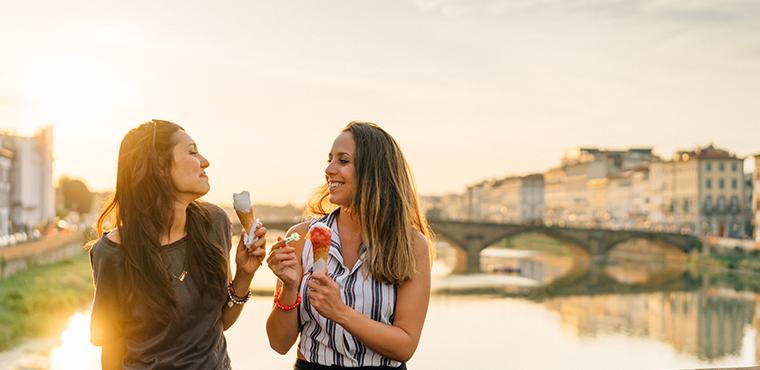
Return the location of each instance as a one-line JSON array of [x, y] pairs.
[[234, 299], [286, 307]]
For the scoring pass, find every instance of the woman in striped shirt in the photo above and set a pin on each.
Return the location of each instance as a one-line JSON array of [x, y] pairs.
[[367, 310]]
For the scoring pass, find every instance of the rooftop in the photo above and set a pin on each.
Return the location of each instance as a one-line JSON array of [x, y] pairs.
[[708, 152]]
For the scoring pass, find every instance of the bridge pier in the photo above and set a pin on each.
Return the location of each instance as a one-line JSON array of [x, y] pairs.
[[474, 244], [473, 262], [467, 262]]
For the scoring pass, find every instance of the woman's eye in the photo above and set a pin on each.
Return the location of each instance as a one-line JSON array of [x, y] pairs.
[[343, 161]]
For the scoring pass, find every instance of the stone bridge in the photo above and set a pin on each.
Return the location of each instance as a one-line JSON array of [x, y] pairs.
[[470, 238]]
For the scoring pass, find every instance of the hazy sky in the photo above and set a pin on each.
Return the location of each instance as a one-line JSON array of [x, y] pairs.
[[471, 89]]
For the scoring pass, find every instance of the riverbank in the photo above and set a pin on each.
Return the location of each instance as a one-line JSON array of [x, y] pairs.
[[49, 249], [37, 302]]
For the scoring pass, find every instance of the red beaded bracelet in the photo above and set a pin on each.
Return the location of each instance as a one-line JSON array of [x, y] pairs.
[[286, 307]]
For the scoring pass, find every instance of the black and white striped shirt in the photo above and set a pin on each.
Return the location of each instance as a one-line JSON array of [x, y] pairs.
[[323, 341]]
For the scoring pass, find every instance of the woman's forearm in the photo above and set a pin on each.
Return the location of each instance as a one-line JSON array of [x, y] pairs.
[[240, 284], [282, 326], [390, 341], [111, 355]]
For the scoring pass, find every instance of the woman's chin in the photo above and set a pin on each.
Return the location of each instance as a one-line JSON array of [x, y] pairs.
[[194, 194], [338, 201]]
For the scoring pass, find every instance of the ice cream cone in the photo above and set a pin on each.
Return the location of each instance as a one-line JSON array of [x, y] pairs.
[[244, 211], [320, 236], [246, 219]]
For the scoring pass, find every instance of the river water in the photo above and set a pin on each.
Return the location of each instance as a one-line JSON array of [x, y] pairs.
[[533, 309]]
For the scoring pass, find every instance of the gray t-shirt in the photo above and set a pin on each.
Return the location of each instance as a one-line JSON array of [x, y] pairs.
[[195, 340]]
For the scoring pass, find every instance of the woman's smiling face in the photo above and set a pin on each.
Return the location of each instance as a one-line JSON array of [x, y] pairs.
[[340, 171]]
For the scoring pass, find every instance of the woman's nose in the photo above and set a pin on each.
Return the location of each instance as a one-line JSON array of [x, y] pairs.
[[330, 169]]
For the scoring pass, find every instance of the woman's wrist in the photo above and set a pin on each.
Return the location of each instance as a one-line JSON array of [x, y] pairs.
[[289, 287], [344, 316], [242, 280], [239, 269], [234, 298], [281, 300]]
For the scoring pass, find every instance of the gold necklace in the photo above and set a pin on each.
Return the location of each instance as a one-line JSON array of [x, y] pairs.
[[181, 276]]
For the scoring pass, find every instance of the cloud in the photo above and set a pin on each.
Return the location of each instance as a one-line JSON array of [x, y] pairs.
[[8, 100], [702, 10], [677, 10]]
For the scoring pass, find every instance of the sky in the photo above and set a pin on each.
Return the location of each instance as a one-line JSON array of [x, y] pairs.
[[471, 89]]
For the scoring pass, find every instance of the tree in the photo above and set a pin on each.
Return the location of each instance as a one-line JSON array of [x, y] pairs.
[[76, 195]]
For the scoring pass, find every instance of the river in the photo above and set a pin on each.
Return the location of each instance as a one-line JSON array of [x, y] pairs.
[[536, 309]]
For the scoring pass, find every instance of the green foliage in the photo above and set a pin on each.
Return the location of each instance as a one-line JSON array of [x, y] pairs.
[[538, 243], [37, 302], [76, 195]]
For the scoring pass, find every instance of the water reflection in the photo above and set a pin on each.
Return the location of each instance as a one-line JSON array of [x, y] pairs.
[[628, 311], [75, 351], [708, 327], [642, 289], [633, 267]]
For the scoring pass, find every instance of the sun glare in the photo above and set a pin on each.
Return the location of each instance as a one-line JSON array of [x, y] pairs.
[[75, 351], [69, 92]]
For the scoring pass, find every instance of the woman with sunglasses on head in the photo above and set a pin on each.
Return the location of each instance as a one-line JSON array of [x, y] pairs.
[[368, 309], [164, 292]]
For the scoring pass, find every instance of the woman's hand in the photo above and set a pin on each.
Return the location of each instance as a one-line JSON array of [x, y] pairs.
[[324, 295], [284, 264], [247, 259]]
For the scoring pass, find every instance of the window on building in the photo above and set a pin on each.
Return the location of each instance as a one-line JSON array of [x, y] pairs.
[[708, 166], [708, 204], [721, 167], [733, 184], [733, 167], [685, 205], [721, 184], [721, 203], [709, 184], [733, 204]]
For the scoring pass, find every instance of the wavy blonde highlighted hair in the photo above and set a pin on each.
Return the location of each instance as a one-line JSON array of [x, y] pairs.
[[385, 202]]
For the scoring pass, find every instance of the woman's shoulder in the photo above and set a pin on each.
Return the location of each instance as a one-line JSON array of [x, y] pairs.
[[421, 245], [301, 228], [214, 211], [107, 249]]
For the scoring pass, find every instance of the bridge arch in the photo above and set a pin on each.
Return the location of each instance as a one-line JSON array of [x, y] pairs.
[[460, 266], [664, 242], [473, 237], [470, 238], [667, 240], [575, 244]]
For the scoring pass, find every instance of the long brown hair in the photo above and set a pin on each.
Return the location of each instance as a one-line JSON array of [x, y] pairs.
[[385, 201], [143, 206]]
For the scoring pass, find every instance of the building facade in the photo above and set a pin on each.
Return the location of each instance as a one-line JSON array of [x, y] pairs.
[[520, 199], [749, 215], [445, 207], [532, 198], [26, 174], [515, 199], [568, 188], [555, 199], [6, 201], [703, 192], [756, 198]]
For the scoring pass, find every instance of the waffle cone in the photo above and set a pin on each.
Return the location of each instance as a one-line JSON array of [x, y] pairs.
[[246, 219], [321, 252]]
